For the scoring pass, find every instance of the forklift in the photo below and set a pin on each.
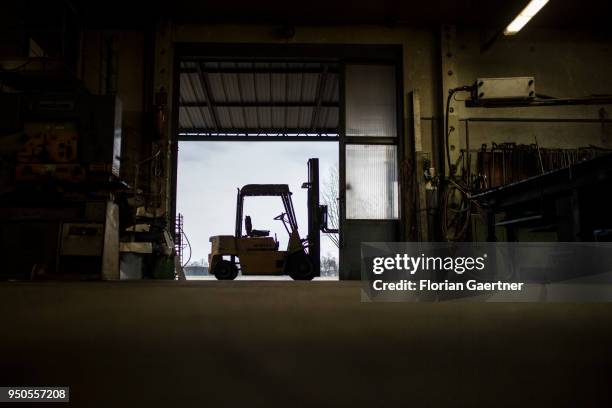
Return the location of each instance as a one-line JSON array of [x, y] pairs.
[[257, 253]]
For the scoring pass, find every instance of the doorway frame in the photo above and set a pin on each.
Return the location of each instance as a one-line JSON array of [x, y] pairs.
[[342, 54]]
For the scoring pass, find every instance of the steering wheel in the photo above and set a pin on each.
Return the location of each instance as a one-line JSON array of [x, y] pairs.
[[280, 217]]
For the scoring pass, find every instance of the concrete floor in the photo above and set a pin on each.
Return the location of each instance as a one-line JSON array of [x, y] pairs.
[[263, 344]]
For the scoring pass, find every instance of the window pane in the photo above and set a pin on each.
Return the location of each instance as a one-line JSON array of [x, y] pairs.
[[371, 182], [370, 100]]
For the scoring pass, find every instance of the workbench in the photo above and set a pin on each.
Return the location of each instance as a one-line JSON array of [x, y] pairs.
[[573, 201]]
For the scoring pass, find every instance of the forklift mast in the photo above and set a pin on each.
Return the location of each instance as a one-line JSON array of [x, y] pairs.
[[317, 216], [314, 222]]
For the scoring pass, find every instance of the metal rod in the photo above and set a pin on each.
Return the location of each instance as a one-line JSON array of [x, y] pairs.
[[255, 95], [286, 97], [244, 115], [271, 95], [319, 98], [208, 94], [224, 88], [258, 70], [543, 120], [518, 220], [204, 138], [537, 120], [468, 153], [256, 131], [601, 100], [259, 104]]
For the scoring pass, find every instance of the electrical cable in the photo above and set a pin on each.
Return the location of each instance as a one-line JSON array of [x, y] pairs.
[[451, 93], [461, 213], [190, 250], [451, 171]]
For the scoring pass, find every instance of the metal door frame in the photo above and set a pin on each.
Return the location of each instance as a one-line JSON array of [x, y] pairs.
[[398, 141], [385, 54]]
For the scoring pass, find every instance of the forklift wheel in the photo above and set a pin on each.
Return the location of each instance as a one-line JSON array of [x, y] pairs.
[[225, 270], [299, 267]]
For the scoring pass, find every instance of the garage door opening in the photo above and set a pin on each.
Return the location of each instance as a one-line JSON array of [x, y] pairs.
[[209, 174], [255, 122], [348, 96]]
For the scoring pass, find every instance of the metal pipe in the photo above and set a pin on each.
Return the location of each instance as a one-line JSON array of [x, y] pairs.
[[595, 100], [537, 120], [468, 153], [526, 120]]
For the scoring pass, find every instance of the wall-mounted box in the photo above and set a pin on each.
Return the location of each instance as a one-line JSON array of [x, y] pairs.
[[504, 89]]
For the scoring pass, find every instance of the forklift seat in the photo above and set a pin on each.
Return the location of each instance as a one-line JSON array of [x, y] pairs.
[[248, 226]]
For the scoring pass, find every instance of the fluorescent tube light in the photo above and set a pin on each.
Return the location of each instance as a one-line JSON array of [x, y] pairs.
[[524, 16]]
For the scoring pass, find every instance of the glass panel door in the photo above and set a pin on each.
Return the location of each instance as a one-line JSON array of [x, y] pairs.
[[370, 101], [371, 182], [369, 162]]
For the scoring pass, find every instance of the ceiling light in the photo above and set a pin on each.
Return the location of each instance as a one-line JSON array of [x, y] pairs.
[[524, 16]]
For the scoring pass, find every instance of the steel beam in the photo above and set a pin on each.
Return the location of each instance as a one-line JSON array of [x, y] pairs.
[[258, 70], [261, 104], [207, 138], [208, 94], [319, 99], [258, 131]]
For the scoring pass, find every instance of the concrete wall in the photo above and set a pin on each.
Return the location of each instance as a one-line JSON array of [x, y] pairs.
[[564, 64], [420, 50], [420, 55]]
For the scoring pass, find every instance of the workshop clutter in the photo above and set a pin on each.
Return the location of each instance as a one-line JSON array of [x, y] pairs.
[[506, 163]]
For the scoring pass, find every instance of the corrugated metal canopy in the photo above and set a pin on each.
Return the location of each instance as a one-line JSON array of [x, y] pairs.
[[259, 98]]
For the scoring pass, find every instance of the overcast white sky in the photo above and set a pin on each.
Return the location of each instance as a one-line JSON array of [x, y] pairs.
[[210, 172]]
